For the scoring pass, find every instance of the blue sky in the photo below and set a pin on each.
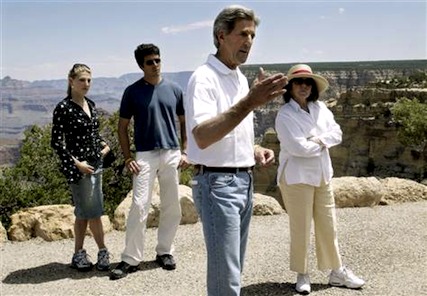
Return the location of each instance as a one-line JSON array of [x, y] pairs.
[[42, 39]]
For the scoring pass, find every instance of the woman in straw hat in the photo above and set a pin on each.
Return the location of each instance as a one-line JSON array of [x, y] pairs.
[[306, 130]]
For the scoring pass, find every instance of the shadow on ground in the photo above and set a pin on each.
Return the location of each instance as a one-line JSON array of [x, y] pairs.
[[57, 271], [277, 289]]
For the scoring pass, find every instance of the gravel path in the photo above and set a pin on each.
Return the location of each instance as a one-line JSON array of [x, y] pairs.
[[387, 246]]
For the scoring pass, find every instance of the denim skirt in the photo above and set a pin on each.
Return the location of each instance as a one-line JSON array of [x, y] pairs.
[[87, 195]]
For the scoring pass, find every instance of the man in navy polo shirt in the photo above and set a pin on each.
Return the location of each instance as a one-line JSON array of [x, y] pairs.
[[153, 103]]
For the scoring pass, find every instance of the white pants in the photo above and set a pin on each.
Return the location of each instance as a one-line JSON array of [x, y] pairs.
[[162, 164], [303, 204]]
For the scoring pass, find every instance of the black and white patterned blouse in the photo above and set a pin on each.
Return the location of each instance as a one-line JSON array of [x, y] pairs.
[[76, 134]]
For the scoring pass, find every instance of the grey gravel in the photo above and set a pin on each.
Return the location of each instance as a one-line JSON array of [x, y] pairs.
[[385, 245]]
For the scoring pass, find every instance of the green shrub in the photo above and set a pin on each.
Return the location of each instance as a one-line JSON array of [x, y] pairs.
[[35, 179], [410, 116]]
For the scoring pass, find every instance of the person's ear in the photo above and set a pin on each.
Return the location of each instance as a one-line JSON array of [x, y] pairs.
[[221, 36]]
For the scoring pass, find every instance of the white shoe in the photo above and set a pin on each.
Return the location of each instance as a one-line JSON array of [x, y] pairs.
[[345, 278], [303, 284]]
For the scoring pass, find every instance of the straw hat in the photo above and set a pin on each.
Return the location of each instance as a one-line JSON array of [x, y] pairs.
[[304, 71]]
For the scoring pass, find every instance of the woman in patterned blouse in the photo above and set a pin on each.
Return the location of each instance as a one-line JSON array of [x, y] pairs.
[[76, 139]]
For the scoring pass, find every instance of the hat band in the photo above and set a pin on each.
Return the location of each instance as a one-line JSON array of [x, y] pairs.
[[302, 71]]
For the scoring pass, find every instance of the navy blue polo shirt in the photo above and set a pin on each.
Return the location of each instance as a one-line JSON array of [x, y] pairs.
[[154, 109]]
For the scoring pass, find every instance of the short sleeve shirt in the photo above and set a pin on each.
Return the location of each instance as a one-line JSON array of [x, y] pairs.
[[154, 109], [213, 89]]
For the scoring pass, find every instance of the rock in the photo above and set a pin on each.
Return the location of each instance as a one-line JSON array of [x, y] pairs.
[[357, 192], [265, 205], [154, 212], [53, 222], [402, 190], [188, 209], [189, 213], [50, 222], [3, 234], [121, 213], [32, 222], [107, 226]]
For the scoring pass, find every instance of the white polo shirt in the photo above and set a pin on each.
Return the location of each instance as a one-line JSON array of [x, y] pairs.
[[212, 89], [302, 160]]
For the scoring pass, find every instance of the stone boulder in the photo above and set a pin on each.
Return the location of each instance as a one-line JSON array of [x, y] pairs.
[[26, 224], [3, 234], [399, 190], [121, 213], [357, 192], [154, 212], [265, 205], [189, 213], [50, 222]]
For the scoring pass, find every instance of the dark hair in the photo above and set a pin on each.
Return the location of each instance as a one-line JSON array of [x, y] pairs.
[[314, 95], [144, 50], [226, 20], [74, 72]]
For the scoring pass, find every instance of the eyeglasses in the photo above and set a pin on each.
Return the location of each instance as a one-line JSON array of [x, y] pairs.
[[306, 81], [151, 62]]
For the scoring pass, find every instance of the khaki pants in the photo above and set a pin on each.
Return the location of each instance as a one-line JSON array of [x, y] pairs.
[[161, 164], [305, 203]]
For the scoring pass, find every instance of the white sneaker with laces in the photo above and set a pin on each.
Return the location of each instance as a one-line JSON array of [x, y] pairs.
[[344, 277], [303, 284]]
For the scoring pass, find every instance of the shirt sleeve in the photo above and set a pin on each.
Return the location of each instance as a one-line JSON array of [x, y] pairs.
[[201, 103], [333, 135], [68, 167], [295, 141], [125, 105], [96, 127]]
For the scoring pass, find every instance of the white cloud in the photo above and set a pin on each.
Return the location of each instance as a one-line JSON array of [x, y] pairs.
[[341, 10], [188, 27]]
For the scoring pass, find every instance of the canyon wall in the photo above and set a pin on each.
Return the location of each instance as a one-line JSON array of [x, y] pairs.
[[369, 146]]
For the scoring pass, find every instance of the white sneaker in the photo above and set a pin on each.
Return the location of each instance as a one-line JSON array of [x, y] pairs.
[[303, 284], [345, 278]]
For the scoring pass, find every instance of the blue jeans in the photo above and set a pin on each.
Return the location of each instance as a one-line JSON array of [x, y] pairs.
[[224, 204]]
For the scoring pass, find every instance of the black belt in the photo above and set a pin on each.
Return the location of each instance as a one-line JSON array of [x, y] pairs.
[[200, 169]]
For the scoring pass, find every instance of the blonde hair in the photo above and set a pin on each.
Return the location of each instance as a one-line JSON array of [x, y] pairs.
[[74, 72]]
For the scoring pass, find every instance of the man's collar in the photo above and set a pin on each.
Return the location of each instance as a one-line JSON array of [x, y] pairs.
[[219, 66]]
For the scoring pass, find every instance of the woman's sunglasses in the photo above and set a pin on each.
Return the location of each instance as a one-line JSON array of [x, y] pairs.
[[306, 81]]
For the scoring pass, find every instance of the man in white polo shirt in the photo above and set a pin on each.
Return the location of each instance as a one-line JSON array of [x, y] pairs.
[[220, 143]]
